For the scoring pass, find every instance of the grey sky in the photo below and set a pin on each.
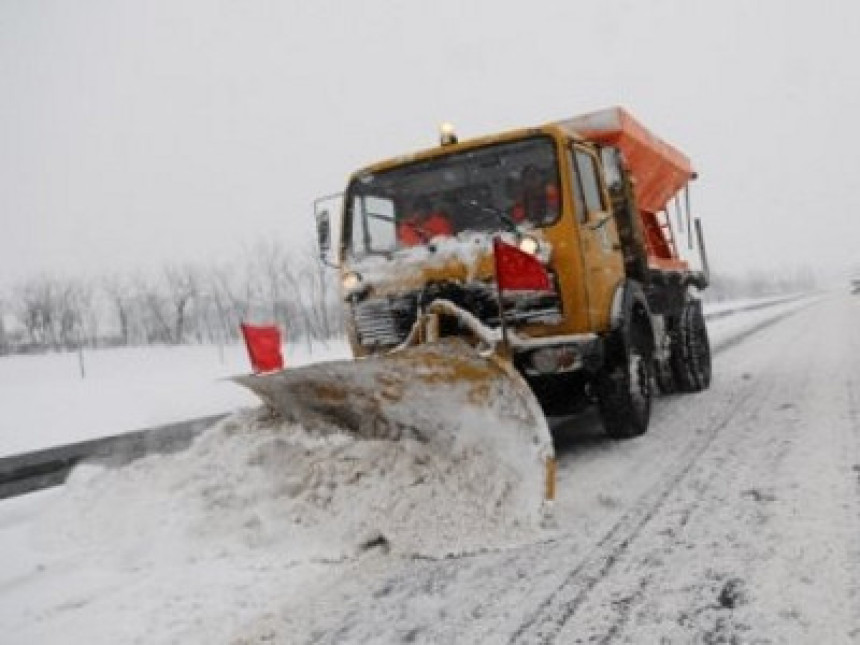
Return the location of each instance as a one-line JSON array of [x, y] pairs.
[[138, 133]]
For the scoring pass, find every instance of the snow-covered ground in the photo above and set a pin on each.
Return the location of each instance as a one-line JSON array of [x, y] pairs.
[[717, 309], [45, 401], [733, 518]]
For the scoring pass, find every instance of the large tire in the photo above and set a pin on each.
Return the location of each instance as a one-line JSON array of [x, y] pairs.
[[664, 375], [625, 383], [691, 351]]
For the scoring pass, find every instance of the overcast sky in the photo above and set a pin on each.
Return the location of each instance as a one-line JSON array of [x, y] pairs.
[[138, 133]]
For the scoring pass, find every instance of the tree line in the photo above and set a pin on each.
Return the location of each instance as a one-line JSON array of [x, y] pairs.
[[181, 303], [187, 303]]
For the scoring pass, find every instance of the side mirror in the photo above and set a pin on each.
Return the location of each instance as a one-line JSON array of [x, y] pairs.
[[613, 168], [327, 230], [323, 232]]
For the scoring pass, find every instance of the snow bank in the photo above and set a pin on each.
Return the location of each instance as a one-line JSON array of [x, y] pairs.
[[252, 482], [257, 512]]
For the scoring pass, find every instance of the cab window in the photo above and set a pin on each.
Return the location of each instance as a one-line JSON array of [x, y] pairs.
[[586, 184], [373, 224]]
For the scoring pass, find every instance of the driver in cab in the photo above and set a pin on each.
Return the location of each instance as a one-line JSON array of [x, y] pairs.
[[423, 224], [538, 201]]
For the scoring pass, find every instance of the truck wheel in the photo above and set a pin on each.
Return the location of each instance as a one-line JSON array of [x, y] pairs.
[[664, 374], [691, 354], [624, 385]]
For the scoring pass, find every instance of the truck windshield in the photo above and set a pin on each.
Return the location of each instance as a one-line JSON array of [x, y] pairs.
[[482, 190]]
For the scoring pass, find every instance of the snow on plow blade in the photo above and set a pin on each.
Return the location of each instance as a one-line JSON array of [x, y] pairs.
[[445, 394]]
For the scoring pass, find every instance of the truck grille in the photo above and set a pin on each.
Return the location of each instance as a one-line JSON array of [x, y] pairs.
[[384, 322]]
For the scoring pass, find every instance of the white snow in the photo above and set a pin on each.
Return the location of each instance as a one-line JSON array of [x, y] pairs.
[[483, 437], [601, 121], [188, 547], [717, 309], [45, 402], [468, 248], [264, 531]]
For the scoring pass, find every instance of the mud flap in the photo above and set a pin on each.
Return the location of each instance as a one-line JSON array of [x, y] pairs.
[[444, 393]]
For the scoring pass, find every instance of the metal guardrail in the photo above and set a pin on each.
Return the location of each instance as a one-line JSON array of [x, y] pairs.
[[32, 471], [40, 469]]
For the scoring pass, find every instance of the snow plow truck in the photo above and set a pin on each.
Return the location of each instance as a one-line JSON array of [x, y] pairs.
[[527, 273]]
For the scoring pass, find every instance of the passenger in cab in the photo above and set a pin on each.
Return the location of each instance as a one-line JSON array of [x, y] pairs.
[[539, 200], [423, 225]]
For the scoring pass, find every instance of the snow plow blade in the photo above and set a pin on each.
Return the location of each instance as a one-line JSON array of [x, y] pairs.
[[444, 393]]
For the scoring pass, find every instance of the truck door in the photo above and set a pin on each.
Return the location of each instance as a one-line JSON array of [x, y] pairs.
[[598, 236]]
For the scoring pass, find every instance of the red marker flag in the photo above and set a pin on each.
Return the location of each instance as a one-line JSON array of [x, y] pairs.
[[264, 347], [517, 270]]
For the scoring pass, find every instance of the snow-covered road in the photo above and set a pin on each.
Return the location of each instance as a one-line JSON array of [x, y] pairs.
[[735, 519]]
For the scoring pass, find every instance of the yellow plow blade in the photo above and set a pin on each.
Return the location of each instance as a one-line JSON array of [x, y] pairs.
[[445, 393]]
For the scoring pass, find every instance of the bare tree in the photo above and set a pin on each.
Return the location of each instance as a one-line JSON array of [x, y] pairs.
[[265, 272], [120, 295], [154, 310], [74, 309], [181, 303], [4, 339], [318, 284], [231, 294], [182, 289], [37, 305], [56, 313]]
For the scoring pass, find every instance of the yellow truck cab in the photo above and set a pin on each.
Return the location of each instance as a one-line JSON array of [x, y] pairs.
[[589, 199]]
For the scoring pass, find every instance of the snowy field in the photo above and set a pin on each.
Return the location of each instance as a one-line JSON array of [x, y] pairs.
[[45, 401], [220, 544]]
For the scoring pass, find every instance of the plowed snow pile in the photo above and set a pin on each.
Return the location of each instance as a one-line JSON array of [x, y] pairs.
[[259, 512], [251, 482]]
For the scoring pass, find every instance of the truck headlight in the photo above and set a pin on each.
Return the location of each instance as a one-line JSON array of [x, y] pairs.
[[529, 245], [351, 281]]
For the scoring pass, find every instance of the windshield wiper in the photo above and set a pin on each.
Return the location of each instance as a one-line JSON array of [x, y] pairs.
[[503, 218]]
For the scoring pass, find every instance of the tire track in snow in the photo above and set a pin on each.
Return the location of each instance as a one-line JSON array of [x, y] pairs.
[[739, 454], [854, 419], [553, 612]]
